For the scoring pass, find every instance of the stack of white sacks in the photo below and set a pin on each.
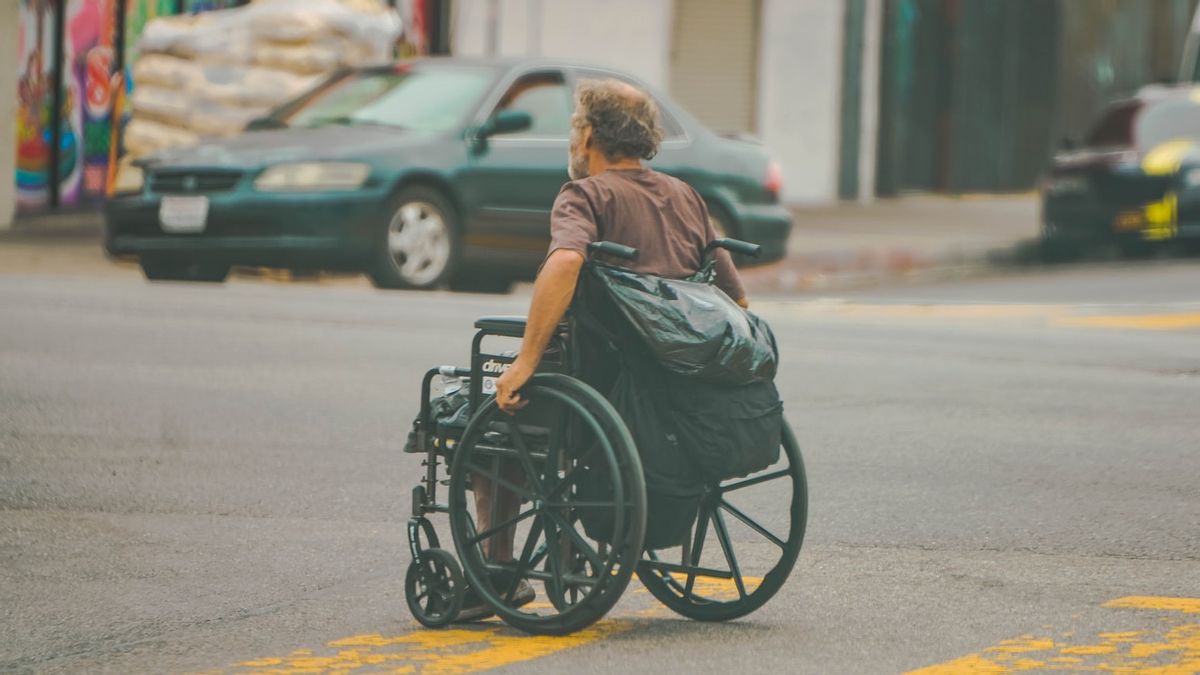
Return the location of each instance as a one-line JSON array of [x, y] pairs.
[[208, 75]]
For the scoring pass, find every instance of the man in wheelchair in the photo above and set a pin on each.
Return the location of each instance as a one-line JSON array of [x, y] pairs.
[[612, 197]]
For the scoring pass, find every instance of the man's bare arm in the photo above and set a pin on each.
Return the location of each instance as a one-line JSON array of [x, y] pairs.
[[552, 293]]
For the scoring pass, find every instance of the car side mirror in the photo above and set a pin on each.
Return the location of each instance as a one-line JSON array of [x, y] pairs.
[[506, 122]]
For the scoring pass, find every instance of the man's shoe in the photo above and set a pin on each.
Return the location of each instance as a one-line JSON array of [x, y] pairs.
[[473, 607], [524, 594]]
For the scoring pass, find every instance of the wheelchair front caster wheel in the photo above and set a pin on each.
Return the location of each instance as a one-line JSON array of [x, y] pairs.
[[434, 588]]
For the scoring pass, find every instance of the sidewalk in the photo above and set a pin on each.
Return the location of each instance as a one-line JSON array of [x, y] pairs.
[[61, 243], [839, 246], [906, 239]]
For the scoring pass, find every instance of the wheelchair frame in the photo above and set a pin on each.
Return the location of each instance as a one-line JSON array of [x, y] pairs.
[[435, 583]]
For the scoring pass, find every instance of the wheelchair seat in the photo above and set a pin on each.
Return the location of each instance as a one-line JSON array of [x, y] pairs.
[[508, 326]]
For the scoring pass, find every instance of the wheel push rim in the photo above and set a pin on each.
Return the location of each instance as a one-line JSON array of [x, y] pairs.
[[719, 583], [551, 515]]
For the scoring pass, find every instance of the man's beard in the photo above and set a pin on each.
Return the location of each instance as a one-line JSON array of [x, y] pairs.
[[577, 162]]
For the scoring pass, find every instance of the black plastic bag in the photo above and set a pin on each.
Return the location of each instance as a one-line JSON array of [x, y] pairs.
[[692, 327], [728, 431]]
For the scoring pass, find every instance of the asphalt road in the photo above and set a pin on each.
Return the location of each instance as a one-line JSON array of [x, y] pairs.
[[1003, 473]]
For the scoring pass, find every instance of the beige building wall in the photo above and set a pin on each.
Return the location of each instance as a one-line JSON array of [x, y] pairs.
[[629, 35], [796, 96], [799, 89], [8, 112]]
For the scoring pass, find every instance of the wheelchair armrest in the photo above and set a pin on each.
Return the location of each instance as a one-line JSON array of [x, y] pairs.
[[508, 326]]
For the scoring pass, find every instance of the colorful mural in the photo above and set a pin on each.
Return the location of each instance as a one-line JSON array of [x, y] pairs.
[[197, 6], [89, 59], [35, 101], [137, 14]]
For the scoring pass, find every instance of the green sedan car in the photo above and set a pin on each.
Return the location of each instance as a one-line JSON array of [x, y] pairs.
[[420, 174]]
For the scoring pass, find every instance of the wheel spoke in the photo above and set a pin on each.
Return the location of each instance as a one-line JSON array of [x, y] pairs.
[[572, 475], [584, 505], [755, 481], [727, 548], [535, 533], [497, 480], [752, 524], [580, 543], [554, 549], [493, 530], [554, 453], [697, 548], [514, 432]]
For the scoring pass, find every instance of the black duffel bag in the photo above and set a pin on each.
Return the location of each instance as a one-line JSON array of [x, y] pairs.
[[729, 431]]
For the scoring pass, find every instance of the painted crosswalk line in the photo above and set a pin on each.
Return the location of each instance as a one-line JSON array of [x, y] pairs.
[[468, 649], [1171, 648], [1120, 317]]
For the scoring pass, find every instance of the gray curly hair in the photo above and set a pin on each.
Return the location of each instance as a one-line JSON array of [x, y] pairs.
[[624, 120]]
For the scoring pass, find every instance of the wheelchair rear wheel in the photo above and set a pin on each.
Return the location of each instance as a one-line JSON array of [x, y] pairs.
[[569, 459], [755, 549]]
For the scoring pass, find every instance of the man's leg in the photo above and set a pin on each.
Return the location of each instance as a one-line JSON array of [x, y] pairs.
[[495, 504]]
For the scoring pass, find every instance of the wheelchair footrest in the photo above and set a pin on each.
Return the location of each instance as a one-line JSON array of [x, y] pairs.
[[685, 569]]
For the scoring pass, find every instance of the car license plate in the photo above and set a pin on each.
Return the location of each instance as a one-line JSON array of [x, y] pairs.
[[181, 215], [1129, 220]]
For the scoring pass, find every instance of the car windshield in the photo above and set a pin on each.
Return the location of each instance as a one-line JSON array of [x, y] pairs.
[[1115, 126], [1168, 121], [424, 99]]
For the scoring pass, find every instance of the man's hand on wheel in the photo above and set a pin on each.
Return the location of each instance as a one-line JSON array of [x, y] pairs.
[[509, 384]]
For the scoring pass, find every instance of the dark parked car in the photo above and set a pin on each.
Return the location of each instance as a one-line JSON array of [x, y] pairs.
[[1136, 179], [419, 174]]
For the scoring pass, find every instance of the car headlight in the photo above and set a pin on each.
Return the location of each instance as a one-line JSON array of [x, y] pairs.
[[1191, 178], [312, 177], [130, 179]]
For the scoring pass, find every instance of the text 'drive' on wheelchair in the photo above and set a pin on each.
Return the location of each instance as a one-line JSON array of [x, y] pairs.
[[579, 504]]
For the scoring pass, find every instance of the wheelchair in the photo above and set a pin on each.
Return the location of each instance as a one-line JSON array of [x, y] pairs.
[[580, 545]]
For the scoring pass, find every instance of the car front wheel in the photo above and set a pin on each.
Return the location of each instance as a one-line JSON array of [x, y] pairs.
[[420, 244]]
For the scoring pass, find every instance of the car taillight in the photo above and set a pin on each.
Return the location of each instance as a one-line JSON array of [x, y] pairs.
[[774, 182]]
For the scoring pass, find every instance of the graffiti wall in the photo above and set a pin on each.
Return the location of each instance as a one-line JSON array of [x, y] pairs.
[[88, 59], [35, 100], [137, 14]]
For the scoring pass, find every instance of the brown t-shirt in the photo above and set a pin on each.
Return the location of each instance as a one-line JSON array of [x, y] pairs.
[[657, 214]]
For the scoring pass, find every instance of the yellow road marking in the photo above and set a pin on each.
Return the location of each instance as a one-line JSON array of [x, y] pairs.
[[1185, 605], [438, 652], [948, 311], [1137, 321], [1055, 315], [1172, 650], [457, 650]]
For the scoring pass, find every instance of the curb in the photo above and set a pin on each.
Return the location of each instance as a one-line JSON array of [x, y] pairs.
[[892, 268]]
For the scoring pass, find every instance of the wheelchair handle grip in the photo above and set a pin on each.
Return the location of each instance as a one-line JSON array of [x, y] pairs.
[[734, 246], [613, 249]]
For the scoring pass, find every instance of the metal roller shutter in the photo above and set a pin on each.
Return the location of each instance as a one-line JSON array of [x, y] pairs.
[[714, 61]]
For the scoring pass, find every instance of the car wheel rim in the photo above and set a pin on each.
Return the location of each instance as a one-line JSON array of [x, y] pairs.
[[419, 242]]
